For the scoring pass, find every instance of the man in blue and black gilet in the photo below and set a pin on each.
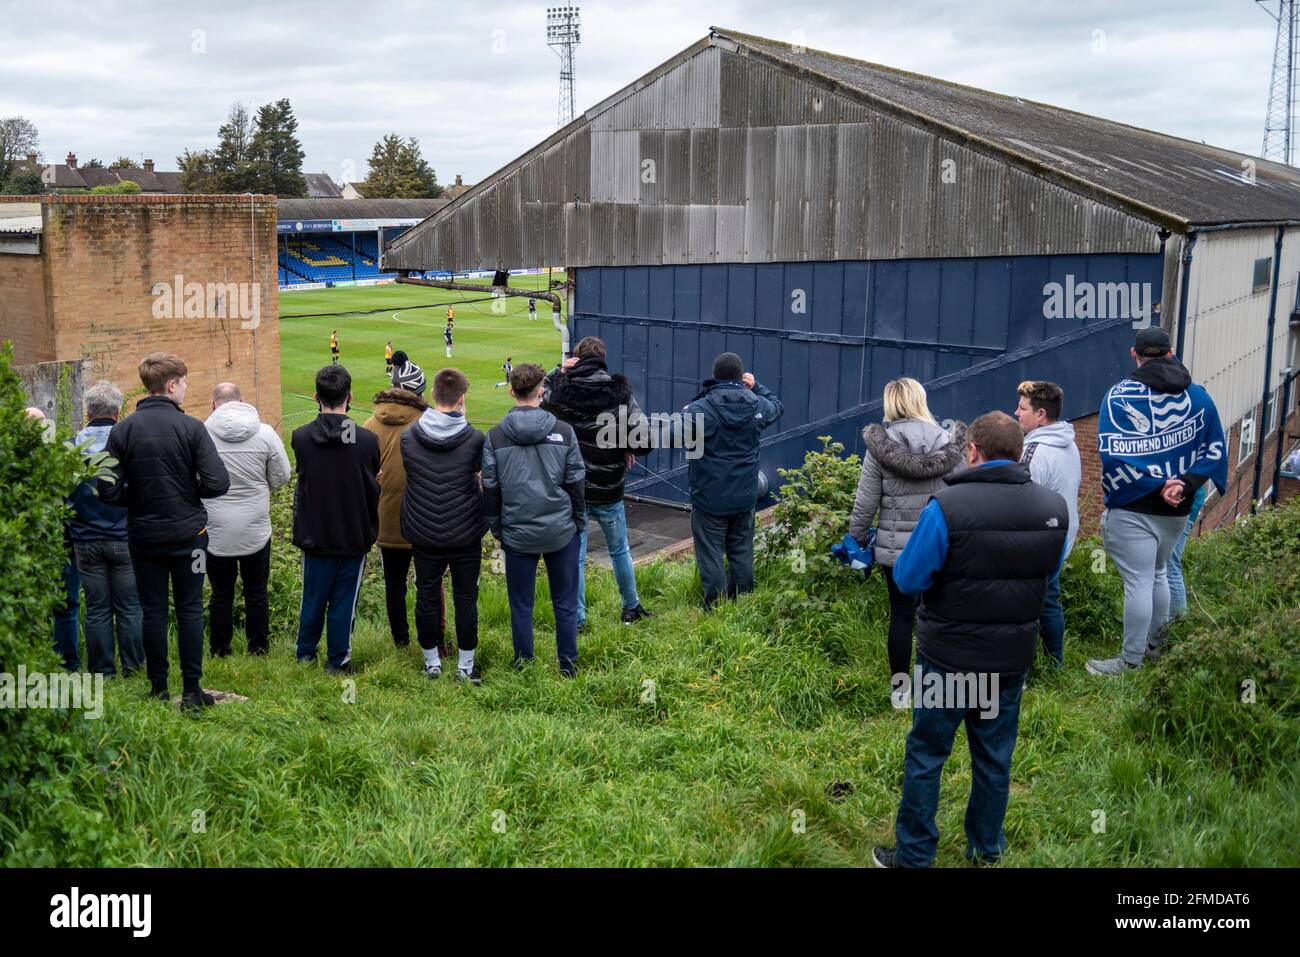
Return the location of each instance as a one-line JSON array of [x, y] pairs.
[[980, 558]]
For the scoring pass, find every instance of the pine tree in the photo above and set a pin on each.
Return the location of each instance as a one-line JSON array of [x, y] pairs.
[[397, 169], [275, 153]]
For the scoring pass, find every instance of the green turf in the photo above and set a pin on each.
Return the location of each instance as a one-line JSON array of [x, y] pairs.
[[484, 337]]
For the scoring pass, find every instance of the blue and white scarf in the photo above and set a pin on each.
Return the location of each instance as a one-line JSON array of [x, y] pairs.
[[1146, 436]]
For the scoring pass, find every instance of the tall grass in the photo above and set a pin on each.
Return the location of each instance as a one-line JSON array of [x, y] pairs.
[[727, 758]]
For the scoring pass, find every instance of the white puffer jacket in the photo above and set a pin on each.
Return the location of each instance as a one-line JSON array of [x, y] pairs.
[[239, 522]]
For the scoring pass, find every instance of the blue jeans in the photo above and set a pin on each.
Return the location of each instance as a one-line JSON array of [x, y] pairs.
[[65, 619], [521, 585], [613, 522], [1051, 623], [109, 579], [330, 585], [1174, 567], [991, 740]]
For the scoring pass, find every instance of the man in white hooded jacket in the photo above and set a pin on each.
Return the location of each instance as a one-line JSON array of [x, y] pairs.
[[1053, 460], [239, 522]]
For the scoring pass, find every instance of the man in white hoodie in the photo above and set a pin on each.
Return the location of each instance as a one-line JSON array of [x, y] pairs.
[[1053, 460], [239, 522]]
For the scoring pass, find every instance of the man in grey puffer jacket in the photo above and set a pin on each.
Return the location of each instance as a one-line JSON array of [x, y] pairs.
[[239, 522], [903, 464], [1053, 460], [533, 496]]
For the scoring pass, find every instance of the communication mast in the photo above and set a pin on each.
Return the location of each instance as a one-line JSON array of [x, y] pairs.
[[1279, 122]]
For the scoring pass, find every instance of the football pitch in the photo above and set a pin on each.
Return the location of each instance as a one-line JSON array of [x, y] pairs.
[[413, 318]]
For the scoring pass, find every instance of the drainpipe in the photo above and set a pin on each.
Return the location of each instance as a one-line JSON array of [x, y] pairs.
[[1285, 399], [1184, 282], [1268, 367], [1163, 235]]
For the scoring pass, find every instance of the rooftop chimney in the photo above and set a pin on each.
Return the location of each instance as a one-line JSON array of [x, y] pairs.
[[71, 161], [31, 159], [148, 167], [458, 180]]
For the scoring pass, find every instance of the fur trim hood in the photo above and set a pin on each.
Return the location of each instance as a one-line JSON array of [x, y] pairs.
[[924, 453], [588, 389]]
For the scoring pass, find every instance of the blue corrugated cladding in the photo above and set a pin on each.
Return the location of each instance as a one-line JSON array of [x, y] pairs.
[[826, 337]]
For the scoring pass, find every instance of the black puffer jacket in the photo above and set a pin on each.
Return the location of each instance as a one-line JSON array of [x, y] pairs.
[[579, 396], [443, 506], [167, 462]]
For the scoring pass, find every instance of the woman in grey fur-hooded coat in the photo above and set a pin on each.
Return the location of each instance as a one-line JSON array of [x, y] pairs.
[[904, 463]]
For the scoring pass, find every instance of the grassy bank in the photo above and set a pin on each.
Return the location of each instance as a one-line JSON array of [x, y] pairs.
[[753, 714]]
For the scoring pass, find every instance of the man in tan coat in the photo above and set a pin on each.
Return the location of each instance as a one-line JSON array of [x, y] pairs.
[[394, 411]]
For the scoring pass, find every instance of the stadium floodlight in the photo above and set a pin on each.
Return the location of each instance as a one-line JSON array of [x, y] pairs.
[[563, 33]]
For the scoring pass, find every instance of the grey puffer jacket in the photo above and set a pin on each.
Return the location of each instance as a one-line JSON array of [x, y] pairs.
[[904, 463], [533, 478]]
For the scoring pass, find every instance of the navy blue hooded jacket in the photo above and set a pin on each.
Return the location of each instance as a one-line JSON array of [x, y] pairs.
[[724, 480]]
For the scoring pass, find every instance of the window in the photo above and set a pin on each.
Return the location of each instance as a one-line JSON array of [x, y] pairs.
[[1269, 417], [1263, 269], [1246, 437]]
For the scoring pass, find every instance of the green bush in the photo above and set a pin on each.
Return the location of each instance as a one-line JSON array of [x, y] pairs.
[[1228, 689], [811, 514], [38, 470]]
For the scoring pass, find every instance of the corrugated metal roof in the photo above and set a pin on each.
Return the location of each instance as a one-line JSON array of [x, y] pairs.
[[1191, 182], [26, 225], [741, 149]]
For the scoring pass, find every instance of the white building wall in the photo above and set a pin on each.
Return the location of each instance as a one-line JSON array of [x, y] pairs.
[[1227, 321]]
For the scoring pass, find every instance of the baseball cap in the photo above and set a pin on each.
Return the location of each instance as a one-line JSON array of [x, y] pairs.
[[1152, 341]]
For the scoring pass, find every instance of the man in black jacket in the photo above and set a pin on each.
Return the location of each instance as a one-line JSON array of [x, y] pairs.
[[166, 464], [335, 518], [584, 394], [980, 557], [442, 518]]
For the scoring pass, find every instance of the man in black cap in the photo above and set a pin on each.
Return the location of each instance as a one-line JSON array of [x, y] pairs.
[[1160, 440]]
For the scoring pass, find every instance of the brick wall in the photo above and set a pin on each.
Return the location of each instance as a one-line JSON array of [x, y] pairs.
[[24, 315], [1220, 510], [104, 263]]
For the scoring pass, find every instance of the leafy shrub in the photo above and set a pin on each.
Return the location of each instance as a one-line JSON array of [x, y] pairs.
[[811, 514], [36, 476]]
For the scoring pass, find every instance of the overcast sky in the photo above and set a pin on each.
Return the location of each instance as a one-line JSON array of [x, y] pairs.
[[477, 85]]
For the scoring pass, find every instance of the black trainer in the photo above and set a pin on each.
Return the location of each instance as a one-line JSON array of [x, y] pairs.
[[159, 691], [474, 676], [197, 699], [433, 672], [884, 857], [344, 669], [632, 615]]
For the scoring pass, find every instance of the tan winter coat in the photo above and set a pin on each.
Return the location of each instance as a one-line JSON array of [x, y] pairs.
[[394, 411]]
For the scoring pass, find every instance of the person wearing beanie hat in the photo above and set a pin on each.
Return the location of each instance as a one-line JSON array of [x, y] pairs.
[[394, 411], [407, 375]]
